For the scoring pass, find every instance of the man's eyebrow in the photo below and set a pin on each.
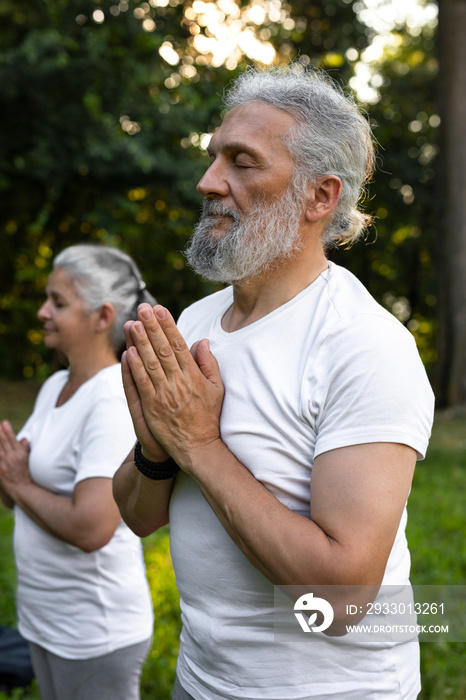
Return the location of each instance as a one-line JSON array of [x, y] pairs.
[[236, 147]]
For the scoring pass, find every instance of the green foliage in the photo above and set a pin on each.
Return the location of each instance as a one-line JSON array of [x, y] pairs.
[[27, 693], [159, 669], [91, 151], [7, 571], [325, 34], [100, 142], [399, 268], [395, 262]]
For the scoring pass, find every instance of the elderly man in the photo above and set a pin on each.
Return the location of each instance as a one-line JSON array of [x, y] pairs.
[[279, 423]]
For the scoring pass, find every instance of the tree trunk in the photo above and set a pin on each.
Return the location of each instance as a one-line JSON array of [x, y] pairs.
[[451, 243]]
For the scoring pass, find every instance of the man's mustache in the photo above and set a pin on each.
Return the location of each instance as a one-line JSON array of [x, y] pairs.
[[214, 207]]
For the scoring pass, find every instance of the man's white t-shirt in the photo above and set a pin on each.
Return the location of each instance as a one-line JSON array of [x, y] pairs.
[[330, 368], [76, 604]]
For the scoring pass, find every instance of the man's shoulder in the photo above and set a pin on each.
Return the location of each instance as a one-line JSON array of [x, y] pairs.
[[355, 319], [350, 299]]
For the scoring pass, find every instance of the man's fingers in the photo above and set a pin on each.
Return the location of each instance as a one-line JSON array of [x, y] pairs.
[[138, 401], [127, 331], [139, 389], [133, 398], [207, 362], [173, 335], [140, 386], [159, 342], [131, 392], [144, 340]]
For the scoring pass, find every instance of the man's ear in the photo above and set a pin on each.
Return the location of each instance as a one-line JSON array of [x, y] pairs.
[[323, 198], [106, 316]]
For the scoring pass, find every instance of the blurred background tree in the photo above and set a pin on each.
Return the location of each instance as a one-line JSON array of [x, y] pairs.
[[99, 110], [387, 55], [107, 109], [451, 238]]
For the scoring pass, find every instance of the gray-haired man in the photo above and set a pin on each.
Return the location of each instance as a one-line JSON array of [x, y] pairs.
[[297, 417]]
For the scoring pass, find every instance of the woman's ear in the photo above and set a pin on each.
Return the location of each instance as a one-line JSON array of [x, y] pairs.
[[324, 197], [106, 316]]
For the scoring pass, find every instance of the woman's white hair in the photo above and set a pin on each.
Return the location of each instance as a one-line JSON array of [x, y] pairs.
[[331, 136], [103, 274]]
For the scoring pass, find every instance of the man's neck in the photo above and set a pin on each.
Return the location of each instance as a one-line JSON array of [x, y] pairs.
[[258, 296]]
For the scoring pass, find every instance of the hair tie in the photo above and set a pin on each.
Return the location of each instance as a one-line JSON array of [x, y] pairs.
[[142, 285]]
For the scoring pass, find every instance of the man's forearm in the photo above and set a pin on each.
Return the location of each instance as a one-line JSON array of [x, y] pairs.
[[143, 502], [287, 548], [349, 536]]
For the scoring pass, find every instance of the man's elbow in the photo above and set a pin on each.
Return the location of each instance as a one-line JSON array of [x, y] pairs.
[[144, 528]]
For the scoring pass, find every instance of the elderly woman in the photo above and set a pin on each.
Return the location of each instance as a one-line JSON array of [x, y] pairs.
[[83, 600]]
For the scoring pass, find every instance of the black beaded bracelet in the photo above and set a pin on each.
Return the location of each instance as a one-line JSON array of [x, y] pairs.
[[154, 470]]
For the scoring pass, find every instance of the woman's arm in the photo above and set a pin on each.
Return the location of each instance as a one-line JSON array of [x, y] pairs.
[[87, 520]]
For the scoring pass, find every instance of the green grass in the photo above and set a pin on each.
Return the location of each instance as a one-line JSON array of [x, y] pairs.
[[436, 533]]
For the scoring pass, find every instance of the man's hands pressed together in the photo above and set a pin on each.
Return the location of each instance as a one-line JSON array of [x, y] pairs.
[[175, 395]]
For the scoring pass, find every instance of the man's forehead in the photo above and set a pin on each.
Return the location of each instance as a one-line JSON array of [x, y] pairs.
[[230, 143], [252, 122]]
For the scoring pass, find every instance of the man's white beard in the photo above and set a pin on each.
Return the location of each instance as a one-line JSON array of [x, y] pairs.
[[253, 243]]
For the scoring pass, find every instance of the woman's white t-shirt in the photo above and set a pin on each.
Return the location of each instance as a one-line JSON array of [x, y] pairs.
[[75, 604]]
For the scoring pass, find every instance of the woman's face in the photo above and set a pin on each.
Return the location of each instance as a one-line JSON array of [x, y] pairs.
[[69, 325]]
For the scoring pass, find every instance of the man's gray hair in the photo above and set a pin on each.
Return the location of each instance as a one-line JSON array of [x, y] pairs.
[[331, 137], [104, 274]]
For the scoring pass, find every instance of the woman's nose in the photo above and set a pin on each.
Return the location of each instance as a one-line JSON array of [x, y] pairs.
[[44, 311]]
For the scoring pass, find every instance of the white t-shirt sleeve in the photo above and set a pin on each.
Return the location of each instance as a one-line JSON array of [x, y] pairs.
[[367, 384], [107, 437]]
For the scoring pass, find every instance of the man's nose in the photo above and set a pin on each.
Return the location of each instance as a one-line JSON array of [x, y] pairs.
[[213, 183]]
